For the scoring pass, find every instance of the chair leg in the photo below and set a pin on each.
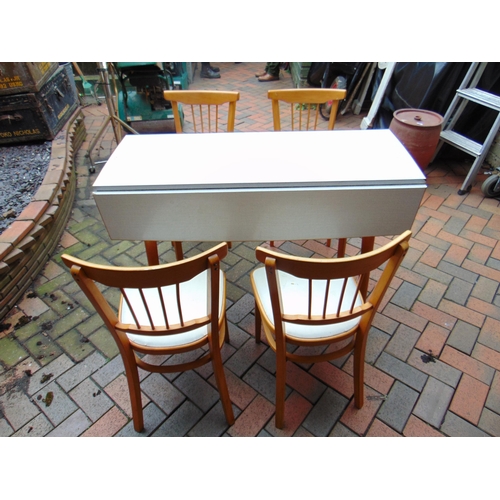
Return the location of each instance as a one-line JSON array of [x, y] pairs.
[[226, 336], [271, 243], [328, 242], [134, 389], [359, 371], [179, 254], [258, 324], [220, 379], [280, 390]]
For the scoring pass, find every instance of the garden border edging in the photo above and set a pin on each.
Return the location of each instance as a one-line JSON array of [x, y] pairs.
[[26, 245]]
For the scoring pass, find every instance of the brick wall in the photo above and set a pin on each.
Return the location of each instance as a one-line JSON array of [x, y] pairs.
[[26, 245]]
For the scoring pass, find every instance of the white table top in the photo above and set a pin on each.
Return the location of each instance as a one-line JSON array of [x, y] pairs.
[[258, 160], [258, 186]]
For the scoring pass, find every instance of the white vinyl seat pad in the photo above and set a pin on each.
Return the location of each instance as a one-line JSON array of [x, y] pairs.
[[294, 295], [194, 300]]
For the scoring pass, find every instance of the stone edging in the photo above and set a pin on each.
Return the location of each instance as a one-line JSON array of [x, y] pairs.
[[26, 245]]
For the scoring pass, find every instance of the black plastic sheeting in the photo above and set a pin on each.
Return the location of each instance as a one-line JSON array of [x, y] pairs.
[[432, 86]]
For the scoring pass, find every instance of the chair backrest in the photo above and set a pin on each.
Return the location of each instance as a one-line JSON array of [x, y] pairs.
[[157, 300], [204, 109], [330, 288], [305, 106]]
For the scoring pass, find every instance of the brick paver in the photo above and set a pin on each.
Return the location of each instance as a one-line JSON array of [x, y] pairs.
[[433, 355], [416, 428], [469, 399]]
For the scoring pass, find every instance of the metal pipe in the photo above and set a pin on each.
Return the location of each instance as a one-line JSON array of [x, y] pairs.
[[103, 71]]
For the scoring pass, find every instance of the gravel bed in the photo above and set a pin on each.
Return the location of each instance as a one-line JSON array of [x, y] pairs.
[[22, 169]]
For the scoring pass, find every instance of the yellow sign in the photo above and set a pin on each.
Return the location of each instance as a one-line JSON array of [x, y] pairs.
[[20, 133], [63, 111]]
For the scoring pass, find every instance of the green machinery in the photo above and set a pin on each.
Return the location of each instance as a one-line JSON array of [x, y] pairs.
[[140, 94]]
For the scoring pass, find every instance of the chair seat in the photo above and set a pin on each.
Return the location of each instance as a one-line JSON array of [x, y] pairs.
[[294, 295], [196, 307]]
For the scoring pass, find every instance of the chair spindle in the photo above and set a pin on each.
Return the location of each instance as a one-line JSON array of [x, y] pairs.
[[130, 306], [179, 305], [327, 291], [163, 308]]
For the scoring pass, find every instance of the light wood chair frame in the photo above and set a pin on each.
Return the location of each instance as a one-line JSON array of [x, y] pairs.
[[195, 98], [359, 266], [92, 278], [309, 98]]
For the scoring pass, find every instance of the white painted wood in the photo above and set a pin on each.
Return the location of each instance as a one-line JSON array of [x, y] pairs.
[[379, 95], [259, 186]]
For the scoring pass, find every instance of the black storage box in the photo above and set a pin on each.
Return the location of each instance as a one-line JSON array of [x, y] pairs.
[[41, 115], [23, 77]]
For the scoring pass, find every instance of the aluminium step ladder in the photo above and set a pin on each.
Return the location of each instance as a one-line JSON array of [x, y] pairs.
[[467, 92]]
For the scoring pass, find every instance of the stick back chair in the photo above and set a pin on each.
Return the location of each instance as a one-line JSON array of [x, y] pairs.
[[318, 302], [208, 113], [163, 310], [205, 109], [304, 106], [303, 114]]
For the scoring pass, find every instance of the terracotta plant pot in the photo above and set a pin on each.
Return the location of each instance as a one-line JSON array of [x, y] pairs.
[[419, 131]]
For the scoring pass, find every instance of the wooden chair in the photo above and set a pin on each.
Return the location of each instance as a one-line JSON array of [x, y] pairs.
[[318, 302], [303, 114], [205, 108], [208, 113], [308, 102], [163, 310]]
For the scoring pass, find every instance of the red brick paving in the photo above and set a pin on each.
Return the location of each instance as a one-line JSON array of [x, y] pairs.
[[110, 423], [253, 418], [299, 379], [379, 429], [466, 364], [296, 410], [432, 257], [334, 377], [241, 393], [486, 355], [460, 312], [417, 428], [433, 315], [359, 420], [374, 378], [456, 255], [433, 339], [469, 399]]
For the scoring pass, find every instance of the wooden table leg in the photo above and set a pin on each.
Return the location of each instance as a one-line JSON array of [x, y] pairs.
[[342, 244], [367, 243], [152, 253], [179, 254]]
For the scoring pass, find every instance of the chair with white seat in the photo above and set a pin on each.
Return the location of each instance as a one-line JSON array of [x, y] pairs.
[[163, 310], [300, 111], [318, 302], [211, 111]]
